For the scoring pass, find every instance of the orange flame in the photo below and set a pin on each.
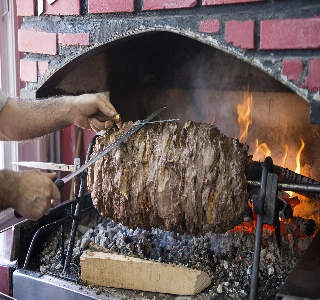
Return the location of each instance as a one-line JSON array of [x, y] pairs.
[[244, 116], [262, 151], [298, 168], [298, 157]]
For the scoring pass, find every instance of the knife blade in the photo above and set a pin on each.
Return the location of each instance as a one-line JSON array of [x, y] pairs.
[[44, 165]]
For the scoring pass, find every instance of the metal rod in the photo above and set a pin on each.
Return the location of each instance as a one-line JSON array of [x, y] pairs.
[[76, 215], [75, 223], [63, 256], [160, 121], [288, 186], [256, 259], [258, 236]]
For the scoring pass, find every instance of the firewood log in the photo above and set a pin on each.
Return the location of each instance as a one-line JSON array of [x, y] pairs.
[[189, 179], [119, 271]]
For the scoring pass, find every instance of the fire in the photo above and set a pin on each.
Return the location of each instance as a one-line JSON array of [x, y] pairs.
[[244, 120], [262, 151], [298, 157], [298, 168], [244, 116], [259, 151]]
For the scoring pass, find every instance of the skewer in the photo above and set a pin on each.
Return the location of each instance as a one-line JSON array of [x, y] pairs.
[[293, 187]]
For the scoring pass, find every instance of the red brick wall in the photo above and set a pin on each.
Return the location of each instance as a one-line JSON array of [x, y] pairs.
[[25, 7], [37, 42], [110, 6], [209, 26], [168, 4], [74, 39], [242, 35], [70, 7], [290, 34]]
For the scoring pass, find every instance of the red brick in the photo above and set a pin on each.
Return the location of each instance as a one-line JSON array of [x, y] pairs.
[[43, 66], [168, 4], [312, 81], [240, 33], [74, 39], [25, 7], [28, 70], [290, 34], [37, 41], [209, 26], [219, 2], [110, 6], [62, 7], [292, 68]]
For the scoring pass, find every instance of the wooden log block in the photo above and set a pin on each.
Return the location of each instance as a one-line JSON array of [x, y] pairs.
[[119, 271]]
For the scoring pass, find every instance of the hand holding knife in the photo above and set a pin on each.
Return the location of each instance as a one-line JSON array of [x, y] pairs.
[[61, 182]]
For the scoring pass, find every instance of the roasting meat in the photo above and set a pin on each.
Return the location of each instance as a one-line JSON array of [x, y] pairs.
[[189, 179]]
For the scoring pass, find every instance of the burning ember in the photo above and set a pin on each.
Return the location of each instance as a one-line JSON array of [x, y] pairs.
[[227, 258]]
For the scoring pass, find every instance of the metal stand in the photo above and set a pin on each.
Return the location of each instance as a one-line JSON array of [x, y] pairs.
[[76, 215], [75, 223], [264, 206]]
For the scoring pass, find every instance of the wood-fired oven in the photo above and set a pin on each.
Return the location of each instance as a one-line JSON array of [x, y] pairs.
[[249, 67]]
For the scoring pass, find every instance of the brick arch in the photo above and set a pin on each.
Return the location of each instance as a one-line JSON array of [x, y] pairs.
[[54, 74], [277, 37]]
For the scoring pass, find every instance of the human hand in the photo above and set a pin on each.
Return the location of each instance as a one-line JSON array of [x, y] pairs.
[[94, 111], [36, 194]]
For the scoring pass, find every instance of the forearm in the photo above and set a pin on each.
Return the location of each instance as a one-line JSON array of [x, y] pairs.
[[8, 189], [28, 119]]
